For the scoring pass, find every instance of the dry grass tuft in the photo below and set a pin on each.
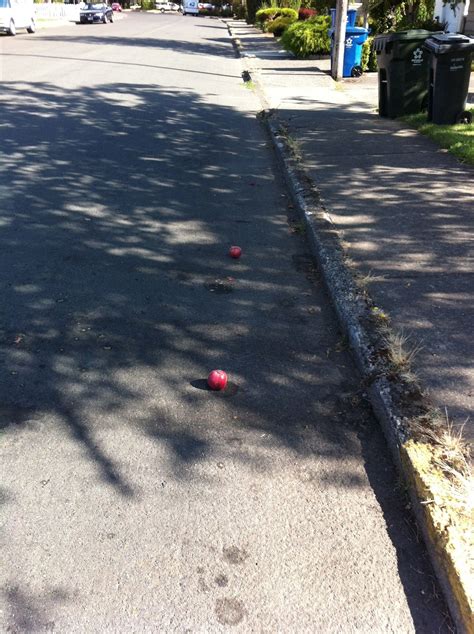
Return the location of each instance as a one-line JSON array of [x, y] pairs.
[[452, 457], [364, 280], [401, 353]]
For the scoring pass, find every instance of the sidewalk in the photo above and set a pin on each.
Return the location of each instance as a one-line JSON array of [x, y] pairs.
[[403, 205]]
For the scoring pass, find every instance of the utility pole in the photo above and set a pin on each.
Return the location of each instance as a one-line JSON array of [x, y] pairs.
[[339, 39]]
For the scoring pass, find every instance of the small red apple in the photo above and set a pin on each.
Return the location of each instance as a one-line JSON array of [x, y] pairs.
[[235, 252], [217, 380]]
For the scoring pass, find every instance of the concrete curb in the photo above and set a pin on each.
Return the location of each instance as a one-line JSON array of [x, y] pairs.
[[237, 44], [353, 313], [444, 543]]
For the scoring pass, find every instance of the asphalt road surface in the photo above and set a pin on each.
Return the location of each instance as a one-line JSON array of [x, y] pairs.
[[132, 498]]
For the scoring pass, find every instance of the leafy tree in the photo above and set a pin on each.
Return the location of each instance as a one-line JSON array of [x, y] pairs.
[[397, 15]]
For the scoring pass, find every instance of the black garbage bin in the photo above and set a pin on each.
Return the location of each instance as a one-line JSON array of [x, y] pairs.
[[403, 72], [449, 73]]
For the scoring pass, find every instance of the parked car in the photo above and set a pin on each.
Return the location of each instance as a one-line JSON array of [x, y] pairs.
[[206, 6], [166, 6], [17, 14], [116, 6], [96, 12]]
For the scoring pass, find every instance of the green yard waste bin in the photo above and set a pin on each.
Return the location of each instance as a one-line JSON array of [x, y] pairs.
[[449, 73], [403, 72]]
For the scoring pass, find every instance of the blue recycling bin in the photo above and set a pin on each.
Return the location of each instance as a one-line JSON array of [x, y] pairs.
[[350, 18], [355, 38]]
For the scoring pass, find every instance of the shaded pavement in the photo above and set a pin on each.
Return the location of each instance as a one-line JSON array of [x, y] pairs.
[[402, 205]]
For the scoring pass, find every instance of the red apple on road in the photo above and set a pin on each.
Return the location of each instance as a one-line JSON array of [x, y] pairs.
[[235, 252], [217, 380]]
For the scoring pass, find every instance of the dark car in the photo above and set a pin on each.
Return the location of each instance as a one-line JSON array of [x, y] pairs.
[[96, 12]]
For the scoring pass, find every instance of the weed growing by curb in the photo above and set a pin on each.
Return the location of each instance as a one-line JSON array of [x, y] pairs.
[[401, 355], [292, 144], [451, 456]]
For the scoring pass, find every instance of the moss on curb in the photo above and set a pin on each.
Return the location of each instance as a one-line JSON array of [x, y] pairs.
[[452, 539]]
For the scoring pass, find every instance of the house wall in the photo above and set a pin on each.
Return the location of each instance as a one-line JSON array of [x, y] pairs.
[[469, 24], [454, 18]]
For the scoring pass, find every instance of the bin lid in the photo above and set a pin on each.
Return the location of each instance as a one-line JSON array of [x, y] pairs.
[[440, 43], [413, 34], [351, 30], [356, 30]]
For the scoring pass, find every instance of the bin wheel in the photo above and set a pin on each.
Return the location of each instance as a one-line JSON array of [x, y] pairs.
[[356, 71], [464, 117]]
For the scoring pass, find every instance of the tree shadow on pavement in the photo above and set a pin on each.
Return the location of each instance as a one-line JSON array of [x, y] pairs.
[[33, 613], [403, 206], [121, 204], [211, 46], [109, 259]]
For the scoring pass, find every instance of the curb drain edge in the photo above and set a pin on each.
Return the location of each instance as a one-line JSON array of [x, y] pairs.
[[342, 290]]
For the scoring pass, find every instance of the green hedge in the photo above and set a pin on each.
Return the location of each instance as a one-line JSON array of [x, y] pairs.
[[309, 37], [279, 25], [265, 15]]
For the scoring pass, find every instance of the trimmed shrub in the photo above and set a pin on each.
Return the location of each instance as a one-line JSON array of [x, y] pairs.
[[287, 13], [306, 14], [264, 15], [309, 37], [279, 25]]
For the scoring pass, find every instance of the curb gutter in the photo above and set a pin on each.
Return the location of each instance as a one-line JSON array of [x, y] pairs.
[[450, 549]]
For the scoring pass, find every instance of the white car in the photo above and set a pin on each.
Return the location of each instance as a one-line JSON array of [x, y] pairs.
[[17, 14], [166, 6]]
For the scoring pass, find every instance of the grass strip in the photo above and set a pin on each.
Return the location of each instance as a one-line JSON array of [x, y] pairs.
[[457, 139]]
